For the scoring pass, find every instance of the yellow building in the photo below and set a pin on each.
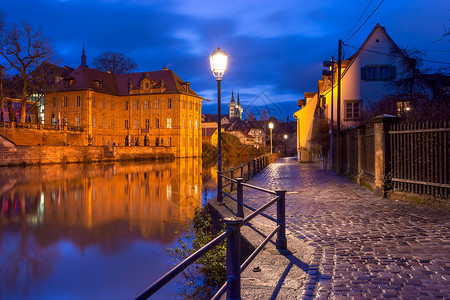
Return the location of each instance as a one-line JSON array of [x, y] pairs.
[[136, 109]]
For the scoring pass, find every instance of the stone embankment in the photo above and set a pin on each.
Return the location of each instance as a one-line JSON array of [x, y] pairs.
[[11, 154]]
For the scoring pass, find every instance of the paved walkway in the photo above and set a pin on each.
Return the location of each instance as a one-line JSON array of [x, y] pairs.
[[364, 246]]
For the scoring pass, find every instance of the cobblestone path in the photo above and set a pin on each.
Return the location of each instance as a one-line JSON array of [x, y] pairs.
[[365, 246]]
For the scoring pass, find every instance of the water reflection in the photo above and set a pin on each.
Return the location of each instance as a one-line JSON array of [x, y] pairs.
[[75, 221]]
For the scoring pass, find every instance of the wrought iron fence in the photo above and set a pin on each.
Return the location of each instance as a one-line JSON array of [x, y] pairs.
[[420, 157]]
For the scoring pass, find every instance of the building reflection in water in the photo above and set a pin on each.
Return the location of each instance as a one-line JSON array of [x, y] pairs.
[[109, 206]]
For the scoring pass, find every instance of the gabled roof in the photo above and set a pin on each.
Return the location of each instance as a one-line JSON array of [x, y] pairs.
[[85, 78], [377, 27]]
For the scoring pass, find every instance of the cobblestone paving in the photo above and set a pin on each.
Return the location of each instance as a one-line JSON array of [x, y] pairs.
[[365, 246]]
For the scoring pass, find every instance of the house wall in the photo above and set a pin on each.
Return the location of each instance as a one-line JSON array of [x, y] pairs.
[[185, 115]]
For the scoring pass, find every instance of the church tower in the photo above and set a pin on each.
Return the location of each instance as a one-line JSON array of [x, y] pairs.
[[83, 58], [235, 108]]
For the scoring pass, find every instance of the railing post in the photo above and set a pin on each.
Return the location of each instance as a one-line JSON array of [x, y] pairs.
[[240, 197], [234, 258], [232, 177], [242, 171], [281, 242], [219, 187], [249, 175], [254, 167]]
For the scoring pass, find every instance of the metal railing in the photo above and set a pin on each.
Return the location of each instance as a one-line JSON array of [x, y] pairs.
[[232, 235]]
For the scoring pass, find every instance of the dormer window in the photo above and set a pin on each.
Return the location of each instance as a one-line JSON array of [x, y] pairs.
[[147, 85], [99, 83], [68, 82]]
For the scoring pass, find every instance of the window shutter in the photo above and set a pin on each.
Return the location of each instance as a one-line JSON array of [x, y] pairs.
[[363, 73], [392, 72]]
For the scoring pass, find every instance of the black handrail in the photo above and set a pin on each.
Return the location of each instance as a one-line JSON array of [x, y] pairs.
[[183, 265], [232, 235]]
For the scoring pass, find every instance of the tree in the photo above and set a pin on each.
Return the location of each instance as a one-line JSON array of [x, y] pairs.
[[116, 63], [25, 51]]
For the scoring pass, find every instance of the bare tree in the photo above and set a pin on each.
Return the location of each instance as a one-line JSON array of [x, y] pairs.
[[25, 51], [116, 63]]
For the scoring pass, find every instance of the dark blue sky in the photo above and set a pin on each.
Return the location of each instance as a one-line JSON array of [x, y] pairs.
[[275, 48]]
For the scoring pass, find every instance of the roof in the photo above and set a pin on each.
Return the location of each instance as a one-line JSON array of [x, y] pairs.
[[85, 78], [352, 58]]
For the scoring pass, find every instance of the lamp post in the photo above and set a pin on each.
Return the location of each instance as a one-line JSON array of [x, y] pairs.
[[218, 61], [330, 65], [285, 145], [270, 127]]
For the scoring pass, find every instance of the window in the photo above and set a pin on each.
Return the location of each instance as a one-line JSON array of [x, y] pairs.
[[195, 125], [169, 103], [136, 124], [182, 123], [169, 123], [384, 73], [190, 124], [65, 121], [184, 104], [93, 122], [371, 73], [403, 107], [78, 101], [112, 104], [94, 101], [112, 124], [190, 105], [136, 104], [156, 103], [196, 107], [126, 105], [104, 103], [53, 119], [77, 121], [378, 72], [65, 101], [104, 123], [169, 141], [352, 109], [156, 123], [146, 104], [126, 124], [147, 123], [147, 85]]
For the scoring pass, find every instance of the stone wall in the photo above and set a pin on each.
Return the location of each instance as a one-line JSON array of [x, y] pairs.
[[11, 154], [38, 136]]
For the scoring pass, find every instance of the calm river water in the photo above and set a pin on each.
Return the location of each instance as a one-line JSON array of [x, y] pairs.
[[94, 232]]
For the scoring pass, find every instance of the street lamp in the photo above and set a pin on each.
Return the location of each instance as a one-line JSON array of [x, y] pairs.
[[270, 127], [218, 60], [285, 145]]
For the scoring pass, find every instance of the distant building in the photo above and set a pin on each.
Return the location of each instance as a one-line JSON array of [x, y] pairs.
[[143, 109], [235, 108], [209, 127]]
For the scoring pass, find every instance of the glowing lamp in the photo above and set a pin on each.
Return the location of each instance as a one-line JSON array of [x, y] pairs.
[[218, 60]]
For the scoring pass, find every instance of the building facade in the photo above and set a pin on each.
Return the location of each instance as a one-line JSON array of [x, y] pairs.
[[139, 109], [235, 108]]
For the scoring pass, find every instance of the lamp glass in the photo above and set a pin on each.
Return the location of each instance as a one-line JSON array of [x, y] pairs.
[[218, 60], [271, 125], [285, 136]]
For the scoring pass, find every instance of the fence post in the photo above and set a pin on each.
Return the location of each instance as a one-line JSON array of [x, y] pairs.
[[232, 177], [219, 187], [281, 242], [254, 167], [248, 171], [361, 154], [240, 197], [242, 171], [382, 150], [234, 257]]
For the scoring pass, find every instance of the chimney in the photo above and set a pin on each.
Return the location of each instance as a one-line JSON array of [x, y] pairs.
[[108, 71], [165, 69]]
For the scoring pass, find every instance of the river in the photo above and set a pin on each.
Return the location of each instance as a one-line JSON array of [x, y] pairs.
[[94, 231]]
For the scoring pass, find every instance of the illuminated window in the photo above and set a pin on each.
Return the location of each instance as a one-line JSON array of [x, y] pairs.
[[93, 122], [77, 121], [195, 125], [190, 124], [403, 107], [169, 123]]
